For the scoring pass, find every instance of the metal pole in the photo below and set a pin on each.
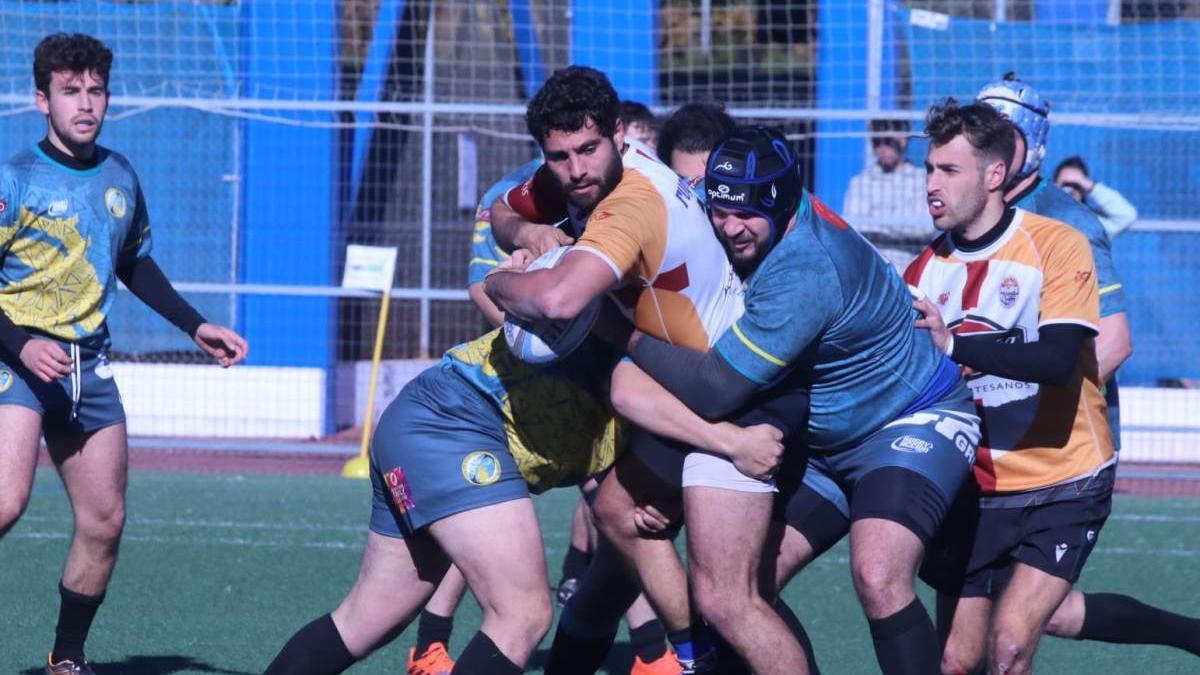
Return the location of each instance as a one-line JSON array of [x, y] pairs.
[[235, 180], [427, 187], [705, 26], [1000, 12], [874, 65]]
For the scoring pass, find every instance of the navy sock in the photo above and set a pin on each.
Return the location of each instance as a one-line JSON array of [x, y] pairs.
[[433, 628], [906, 642], [483, 657], [575, 563], [316, 649], [648, 640], [1109, 617], [75, 616]]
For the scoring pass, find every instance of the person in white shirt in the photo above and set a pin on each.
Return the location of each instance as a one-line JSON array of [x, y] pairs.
[[1114, 211], [886, 201]]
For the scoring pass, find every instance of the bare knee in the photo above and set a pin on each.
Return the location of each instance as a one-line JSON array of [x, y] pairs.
[[1011, 649], [882, 589], [103, 525], [1067, 620], [960, 662], [614, 518], [723, 602], [12, 505]]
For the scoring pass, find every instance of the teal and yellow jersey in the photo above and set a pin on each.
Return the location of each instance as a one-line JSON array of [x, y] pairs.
[[558, 418], [63, 234], [826, 303], [486, 254]]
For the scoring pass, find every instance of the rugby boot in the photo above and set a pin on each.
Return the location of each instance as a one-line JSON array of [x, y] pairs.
[[435, 661], [666, 664], [67, 667]]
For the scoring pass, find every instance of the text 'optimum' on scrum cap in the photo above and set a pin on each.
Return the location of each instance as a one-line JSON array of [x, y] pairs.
[[1027, 110], [753, 169]]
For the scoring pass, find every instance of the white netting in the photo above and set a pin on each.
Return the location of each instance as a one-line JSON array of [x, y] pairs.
[[268, 134]]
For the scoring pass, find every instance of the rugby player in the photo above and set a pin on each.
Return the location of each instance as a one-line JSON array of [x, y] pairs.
[[1106, 617], [1019, 294], [453, 462], [891, 430], [646, 633], [643, 236], [689, 135], [73, 220]]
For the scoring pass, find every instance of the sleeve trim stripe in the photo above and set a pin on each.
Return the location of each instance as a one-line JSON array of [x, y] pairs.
[[607, 261], [1110, 288], [484, 261], [739, 369], [756, 349], [1074, 322]]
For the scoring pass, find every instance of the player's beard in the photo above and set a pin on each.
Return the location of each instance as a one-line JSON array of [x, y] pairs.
[[968, 210], [608, 183]]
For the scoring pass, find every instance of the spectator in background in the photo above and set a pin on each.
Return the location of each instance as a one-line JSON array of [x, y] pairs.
[[689, 135], [639, 122], [886, 201], [1114, 211]]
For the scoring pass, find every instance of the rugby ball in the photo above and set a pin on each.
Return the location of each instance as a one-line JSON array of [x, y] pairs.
[[546, 341]]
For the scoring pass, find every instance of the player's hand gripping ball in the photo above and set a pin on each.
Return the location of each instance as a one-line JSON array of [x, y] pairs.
[[546, 341]]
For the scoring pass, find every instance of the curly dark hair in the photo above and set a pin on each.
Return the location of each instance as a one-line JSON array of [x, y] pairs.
[[694, 127], [75, 53], [568, 99], [991, 134]]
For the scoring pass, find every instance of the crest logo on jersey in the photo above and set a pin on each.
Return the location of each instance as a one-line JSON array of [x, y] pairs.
[[1082, 277], [481, 468], [3, 206], [602, 215], [114, 201], [1009, 290], [398, 485], [943, 298], [58, 207], [6, 380]]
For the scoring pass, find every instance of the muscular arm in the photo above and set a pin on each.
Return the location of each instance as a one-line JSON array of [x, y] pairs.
[[557, 293], [1114, 344], [704, 381], [641, 400]]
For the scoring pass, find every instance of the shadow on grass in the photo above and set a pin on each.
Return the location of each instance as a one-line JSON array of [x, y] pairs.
[[153, 665], [619, 661]]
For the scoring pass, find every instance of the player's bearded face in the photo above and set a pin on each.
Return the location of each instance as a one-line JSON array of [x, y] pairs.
[[585, 163], [75, 107], [746, 237], [955, 190]]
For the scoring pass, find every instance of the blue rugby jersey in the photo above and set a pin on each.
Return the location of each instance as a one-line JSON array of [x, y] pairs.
[[63, 234], [825, 301], [486, 254]]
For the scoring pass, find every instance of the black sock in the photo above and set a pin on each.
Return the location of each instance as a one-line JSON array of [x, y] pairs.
[[75, 616], [649, 640], [906, 642], [433, 628], [575, 563], [316, 649], [797, 629], [482, 657], [1109, 617], [571, 655]]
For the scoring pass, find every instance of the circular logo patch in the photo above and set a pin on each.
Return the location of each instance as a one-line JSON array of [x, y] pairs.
[[6, 380], [114, 199], [481, 468]]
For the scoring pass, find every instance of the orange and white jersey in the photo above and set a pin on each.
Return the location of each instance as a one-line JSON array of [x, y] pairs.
[[1039, 272], [675, 280]]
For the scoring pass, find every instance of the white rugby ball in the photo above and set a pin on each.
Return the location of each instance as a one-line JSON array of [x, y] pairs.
[[546, 341]]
